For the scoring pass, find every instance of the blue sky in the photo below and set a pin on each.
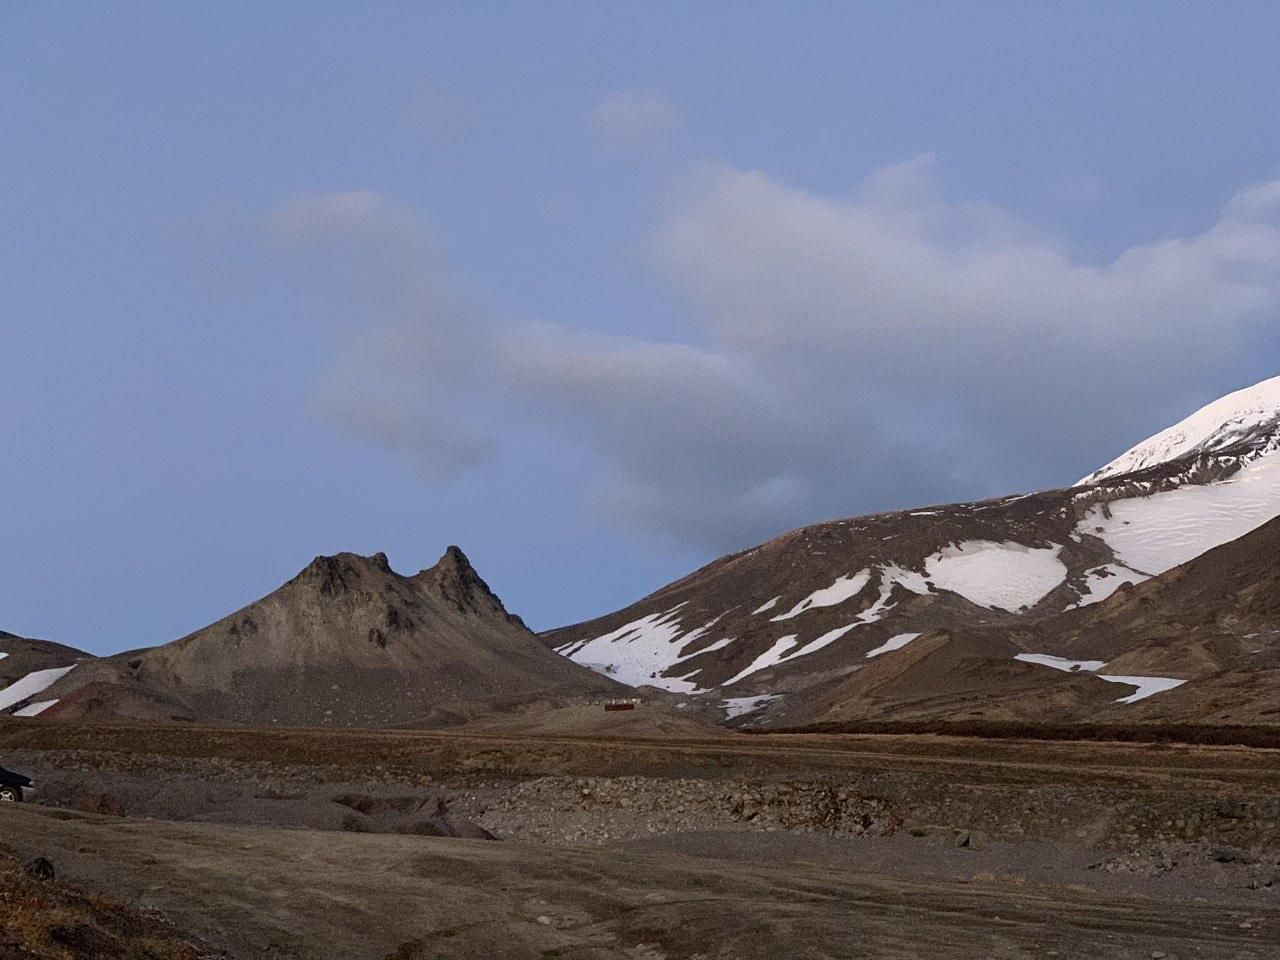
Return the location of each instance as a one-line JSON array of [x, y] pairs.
[[596, 291]]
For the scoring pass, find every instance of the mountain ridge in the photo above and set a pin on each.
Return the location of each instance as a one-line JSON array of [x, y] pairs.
[[811, 606]]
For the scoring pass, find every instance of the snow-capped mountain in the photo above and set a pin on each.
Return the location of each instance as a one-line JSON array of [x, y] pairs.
[[819, 603], [1251, 414]]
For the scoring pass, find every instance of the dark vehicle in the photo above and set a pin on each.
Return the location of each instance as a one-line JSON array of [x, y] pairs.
[[14, 787]]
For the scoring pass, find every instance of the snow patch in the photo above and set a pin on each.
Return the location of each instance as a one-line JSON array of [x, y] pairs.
[[1147, 686], [737, 706], [767, 605], [30, 685], [1008, 576], [639, 652], [893, 643], [891, 573], [1101, 582], [767, 659], [34, 709], [840, 591], [1061, 663], [831, 636]]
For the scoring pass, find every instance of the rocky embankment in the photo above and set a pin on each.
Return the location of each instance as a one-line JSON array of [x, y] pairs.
[[1127, 829]]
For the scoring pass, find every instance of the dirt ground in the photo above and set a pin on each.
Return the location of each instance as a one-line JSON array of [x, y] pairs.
[[313, 844]]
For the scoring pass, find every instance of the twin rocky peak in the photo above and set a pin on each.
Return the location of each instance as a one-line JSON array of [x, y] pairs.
[[452, 579]]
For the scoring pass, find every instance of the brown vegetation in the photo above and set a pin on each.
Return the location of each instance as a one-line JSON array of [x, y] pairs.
[[1181, 733], [44, 920]]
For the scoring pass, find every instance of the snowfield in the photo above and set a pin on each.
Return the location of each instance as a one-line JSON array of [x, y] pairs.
[[1008, 576], [1157, 533]]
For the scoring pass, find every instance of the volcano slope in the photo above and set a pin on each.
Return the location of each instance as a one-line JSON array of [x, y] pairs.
[[1214, 622], [961, 586], [1208, 627], [346, 642]]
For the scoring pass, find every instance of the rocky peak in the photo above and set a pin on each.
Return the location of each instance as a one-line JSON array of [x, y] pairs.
[[455, 580], [339, 573]]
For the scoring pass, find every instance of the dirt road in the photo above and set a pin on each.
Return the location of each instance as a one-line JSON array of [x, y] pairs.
[[278, 893]]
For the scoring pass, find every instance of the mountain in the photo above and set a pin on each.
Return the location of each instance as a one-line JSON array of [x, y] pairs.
[[29, 667], [794, 617], [1205, 636], [1214, 622], [347, 642], [1250, 416]]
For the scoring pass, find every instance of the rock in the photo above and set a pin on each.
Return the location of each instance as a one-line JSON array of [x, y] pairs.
[[102, 803], [38, 868], [973, 840]]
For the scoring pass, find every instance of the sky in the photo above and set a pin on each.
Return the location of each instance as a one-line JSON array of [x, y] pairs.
[[597, 291]]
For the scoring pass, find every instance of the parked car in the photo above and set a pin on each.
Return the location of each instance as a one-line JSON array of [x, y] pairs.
[[14, 787]]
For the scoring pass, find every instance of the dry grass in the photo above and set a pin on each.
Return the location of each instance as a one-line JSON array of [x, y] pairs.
[[1264, 737], [44, 920]]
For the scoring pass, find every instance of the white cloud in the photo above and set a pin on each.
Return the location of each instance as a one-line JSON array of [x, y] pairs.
[[412, 362], [443, 117], [1260, 201], [892, 348], [628, 121], [842, 353]]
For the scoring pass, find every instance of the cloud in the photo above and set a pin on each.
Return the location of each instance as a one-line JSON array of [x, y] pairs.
[[840, 354], [887, 349], [410, 371], [1258, 202], [662, 416], [635, 121], [444, 118]]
